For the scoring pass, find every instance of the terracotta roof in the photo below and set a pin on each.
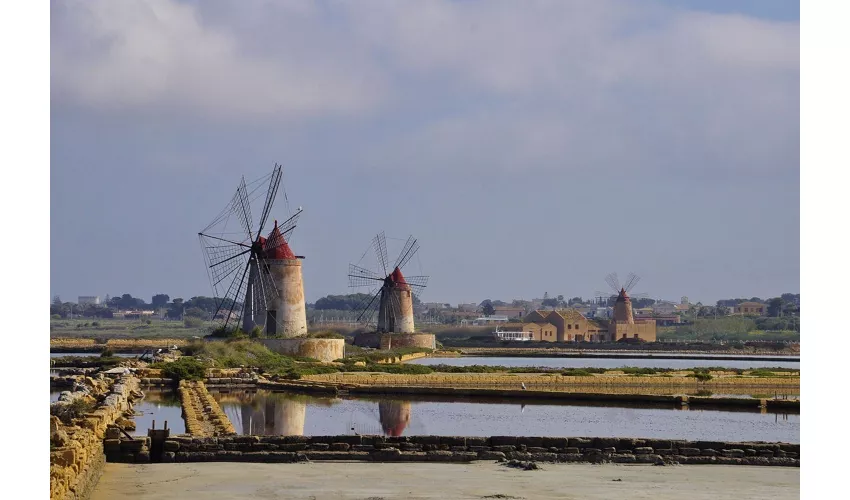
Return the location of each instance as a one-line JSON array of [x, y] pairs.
[[569, 314], [397, 277], [276, 246]]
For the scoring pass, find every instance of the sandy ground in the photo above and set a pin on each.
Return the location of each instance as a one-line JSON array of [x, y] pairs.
[[370, 481]]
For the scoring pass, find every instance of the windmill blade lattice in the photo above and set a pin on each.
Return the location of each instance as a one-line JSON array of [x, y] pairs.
[[613, 282], [631, 281]]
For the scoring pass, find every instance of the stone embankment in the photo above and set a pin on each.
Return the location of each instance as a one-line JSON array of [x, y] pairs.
[[201, 413], [523, 350], [403, 358], [468, 449], [554, 380], [76, 435]]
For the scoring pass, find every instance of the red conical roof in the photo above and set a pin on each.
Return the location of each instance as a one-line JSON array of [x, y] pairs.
[[397, 278], [276, 246]]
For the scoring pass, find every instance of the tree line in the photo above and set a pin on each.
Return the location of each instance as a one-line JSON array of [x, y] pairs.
[[196, 307]]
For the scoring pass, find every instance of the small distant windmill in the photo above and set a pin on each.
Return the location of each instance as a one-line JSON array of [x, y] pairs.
[[391, 292], [254, 278], [623, 303]]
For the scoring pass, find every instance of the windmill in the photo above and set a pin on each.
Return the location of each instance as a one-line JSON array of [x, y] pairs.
[[623, 303], [391, 292], [256, 280]]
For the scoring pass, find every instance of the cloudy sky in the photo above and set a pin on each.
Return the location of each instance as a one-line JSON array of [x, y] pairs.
[[531, 146]]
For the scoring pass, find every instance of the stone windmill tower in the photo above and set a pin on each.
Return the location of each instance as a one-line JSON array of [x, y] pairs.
[[623, 305], [391, 295], [256, 280]]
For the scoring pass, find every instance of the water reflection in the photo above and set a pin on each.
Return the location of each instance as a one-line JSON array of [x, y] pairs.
[[394, 416], [158, 407], [267, 413]]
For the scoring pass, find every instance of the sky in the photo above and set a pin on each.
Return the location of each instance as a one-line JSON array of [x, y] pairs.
[[530, 146]]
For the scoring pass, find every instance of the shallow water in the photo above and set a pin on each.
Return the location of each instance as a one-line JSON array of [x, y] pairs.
[[601, 362], [269, 413], [158, 406]]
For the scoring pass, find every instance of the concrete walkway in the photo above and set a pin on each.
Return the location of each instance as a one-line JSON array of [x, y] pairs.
[[371, 481]]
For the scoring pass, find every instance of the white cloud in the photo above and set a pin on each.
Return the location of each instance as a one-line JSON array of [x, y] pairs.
[[135, 54], [545, 83]]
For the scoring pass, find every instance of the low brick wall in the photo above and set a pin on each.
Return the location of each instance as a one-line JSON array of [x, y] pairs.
[[391, 341], [467, 449], [76, 451], [324, 350]]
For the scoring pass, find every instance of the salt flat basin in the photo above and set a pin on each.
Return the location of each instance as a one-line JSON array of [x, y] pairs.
[[391, 481], [269, 413], [603, 362]]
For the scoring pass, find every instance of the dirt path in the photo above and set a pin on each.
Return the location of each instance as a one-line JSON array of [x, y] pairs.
[[351, 480]]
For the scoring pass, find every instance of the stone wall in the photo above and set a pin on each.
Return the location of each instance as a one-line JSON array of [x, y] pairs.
[[201, 413], [324, 350], [76, 449], [368, 339], [397, 340], [467, 449], [645, 329]]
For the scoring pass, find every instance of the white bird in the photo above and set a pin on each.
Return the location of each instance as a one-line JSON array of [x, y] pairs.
[[523, 386], [158, 351]]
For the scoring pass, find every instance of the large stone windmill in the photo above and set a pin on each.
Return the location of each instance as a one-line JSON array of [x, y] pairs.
[[389, 303], [256, 280], [623, 326]]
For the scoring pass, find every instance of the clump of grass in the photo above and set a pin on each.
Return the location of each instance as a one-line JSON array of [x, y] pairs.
[[185, 368], [701, 374], [328, 334], [107, 353], [576, 372], [73, 410]]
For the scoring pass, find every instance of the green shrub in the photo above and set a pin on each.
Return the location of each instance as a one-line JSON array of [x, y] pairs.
[[75, 409], [185, 368], [192, 348], [256, 332], [192, 322], [55, 316], [702, 376], [575, 372], [107, 353], [325, 335]]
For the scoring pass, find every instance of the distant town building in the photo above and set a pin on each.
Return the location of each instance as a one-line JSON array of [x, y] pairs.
[[467, 307], [570, 326], [487, 320], [751, 309], [509, 311], [436, 306], [664, 307], [85, 300]]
